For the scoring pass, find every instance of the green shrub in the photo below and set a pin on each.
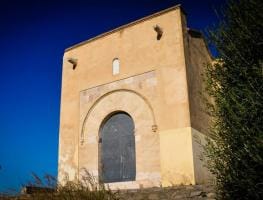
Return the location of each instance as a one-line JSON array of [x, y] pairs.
[[235, 86]]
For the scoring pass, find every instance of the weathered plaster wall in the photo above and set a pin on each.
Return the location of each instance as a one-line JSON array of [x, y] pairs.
[[198, 57], [202, 175], [139, 51], [177, 157], [152, 72]]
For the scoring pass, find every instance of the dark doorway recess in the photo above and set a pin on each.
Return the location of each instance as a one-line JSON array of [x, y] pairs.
[[117, 149]]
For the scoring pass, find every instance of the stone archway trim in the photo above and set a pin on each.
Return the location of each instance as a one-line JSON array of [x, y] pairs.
[[107, 94]]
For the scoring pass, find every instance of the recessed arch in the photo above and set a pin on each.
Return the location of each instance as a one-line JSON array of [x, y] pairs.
[[97, 110], [147, 103]]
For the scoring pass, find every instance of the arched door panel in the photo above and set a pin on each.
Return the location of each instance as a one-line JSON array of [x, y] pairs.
[[118, 149]]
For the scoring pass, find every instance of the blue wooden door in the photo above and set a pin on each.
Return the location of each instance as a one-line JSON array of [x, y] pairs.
[[118, 149]]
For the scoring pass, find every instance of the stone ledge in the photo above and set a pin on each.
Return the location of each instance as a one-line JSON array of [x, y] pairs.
[[205, 192]]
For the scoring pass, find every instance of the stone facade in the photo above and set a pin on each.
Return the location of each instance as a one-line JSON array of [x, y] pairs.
[[158, 85]]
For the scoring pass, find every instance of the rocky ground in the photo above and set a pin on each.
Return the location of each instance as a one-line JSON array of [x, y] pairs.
[[170, 193], [204, 192]]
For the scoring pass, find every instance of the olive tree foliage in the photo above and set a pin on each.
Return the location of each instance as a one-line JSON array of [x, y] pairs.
[[234, 84]]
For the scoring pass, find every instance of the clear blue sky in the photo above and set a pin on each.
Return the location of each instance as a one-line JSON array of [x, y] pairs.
[[33, 36]]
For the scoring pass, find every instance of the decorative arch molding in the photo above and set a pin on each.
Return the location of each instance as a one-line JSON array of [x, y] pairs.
[[147, 103]]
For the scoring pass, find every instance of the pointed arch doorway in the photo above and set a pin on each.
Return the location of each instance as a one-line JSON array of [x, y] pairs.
[[117, 148]]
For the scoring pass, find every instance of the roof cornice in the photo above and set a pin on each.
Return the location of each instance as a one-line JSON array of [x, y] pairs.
[[178, 6]]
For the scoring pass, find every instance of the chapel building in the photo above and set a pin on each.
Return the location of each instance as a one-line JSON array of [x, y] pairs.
[[131, 110]]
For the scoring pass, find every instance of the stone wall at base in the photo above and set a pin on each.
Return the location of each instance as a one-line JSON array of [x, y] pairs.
[[204, 192]]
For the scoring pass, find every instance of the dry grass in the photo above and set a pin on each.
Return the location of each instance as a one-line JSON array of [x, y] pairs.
[[88, 188]]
